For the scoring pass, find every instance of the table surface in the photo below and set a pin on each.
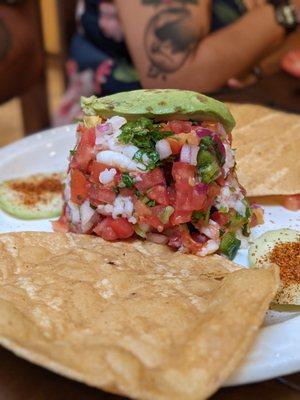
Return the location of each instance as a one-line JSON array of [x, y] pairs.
[[20, 380]]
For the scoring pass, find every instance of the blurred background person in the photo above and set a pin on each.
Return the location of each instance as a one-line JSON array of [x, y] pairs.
[[200, 45], [115, 46]]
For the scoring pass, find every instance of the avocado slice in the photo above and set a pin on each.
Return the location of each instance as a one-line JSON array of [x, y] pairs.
[[160, 104], [258, 254], [37, 196]]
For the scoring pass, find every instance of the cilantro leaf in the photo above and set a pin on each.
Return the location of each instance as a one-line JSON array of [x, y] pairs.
[[126, 180], [144, 135]]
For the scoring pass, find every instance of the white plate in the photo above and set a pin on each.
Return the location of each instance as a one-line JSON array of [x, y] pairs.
[[276, 350]]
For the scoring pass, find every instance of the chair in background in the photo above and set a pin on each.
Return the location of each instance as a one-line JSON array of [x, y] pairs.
[[22, 61], [67, 25]]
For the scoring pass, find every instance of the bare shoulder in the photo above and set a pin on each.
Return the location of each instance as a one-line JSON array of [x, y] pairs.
[[163, 34]]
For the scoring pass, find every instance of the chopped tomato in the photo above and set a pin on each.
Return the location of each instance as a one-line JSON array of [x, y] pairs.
[[122, 227], [149, 215], [192, 245], [175, 238], [220, 181], [105, 230], [177, 141], [180, 126], [159, 194], [172, 195], [212, 191], [79, 187], [175, 144], [100, 194], [88, 135], [141, 209], [85, 150], [95, 170], [150, 179], [182, 237], [113, 229], [183, 172], [292, 202], [199, 200], [126, 192], [180, 217], [184, 196], [154, 221], [220, 218], [188, 198], [62, 224], [151, 220]]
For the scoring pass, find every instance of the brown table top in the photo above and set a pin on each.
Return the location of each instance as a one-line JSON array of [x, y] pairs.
[[20, 380]]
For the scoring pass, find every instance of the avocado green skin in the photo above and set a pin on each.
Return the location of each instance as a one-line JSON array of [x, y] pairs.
[[160, 105]]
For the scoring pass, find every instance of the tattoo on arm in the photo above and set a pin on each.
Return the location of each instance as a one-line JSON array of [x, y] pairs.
[[170, 36], [5, 40]]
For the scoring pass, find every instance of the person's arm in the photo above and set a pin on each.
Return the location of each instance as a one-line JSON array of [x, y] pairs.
[[171, 47]]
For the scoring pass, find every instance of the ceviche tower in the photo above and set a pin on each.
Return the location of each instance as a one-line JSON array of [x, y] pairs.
[[158, 165]]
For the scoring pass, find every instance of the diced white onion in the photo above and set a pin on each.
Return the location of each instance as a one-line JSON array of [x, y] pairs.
[[117, 122], [129, 151], [211, 246], [157, 238], [105, 209], [67, 191], [185, 154], [132, 220], [194, 154], [123, 206], [87, 215], [107, 175], [163, 148], [189, 154], [212, 230], [74, 212], [229, 159], [118, 160]]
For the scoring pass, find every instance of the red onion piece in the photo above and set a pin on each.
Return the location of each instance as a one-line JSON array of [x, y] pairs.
[[104, 128], [201, 188], [199, 237], [157, 238], [218, 141], [201, 132]]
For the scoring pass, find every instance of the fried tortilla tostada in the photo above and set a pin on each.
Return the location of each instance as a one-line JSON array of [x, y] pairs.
[[267, 145], [130, 318]]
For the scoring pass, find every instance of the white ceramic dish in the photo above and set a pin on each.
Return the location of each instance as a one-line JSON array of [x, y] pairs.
[[276, 350]]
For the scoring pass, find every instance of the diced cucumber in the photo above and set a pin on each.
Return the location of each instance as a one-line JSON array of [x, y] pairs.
[[208, 166], [229, 245], [166, 214]]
